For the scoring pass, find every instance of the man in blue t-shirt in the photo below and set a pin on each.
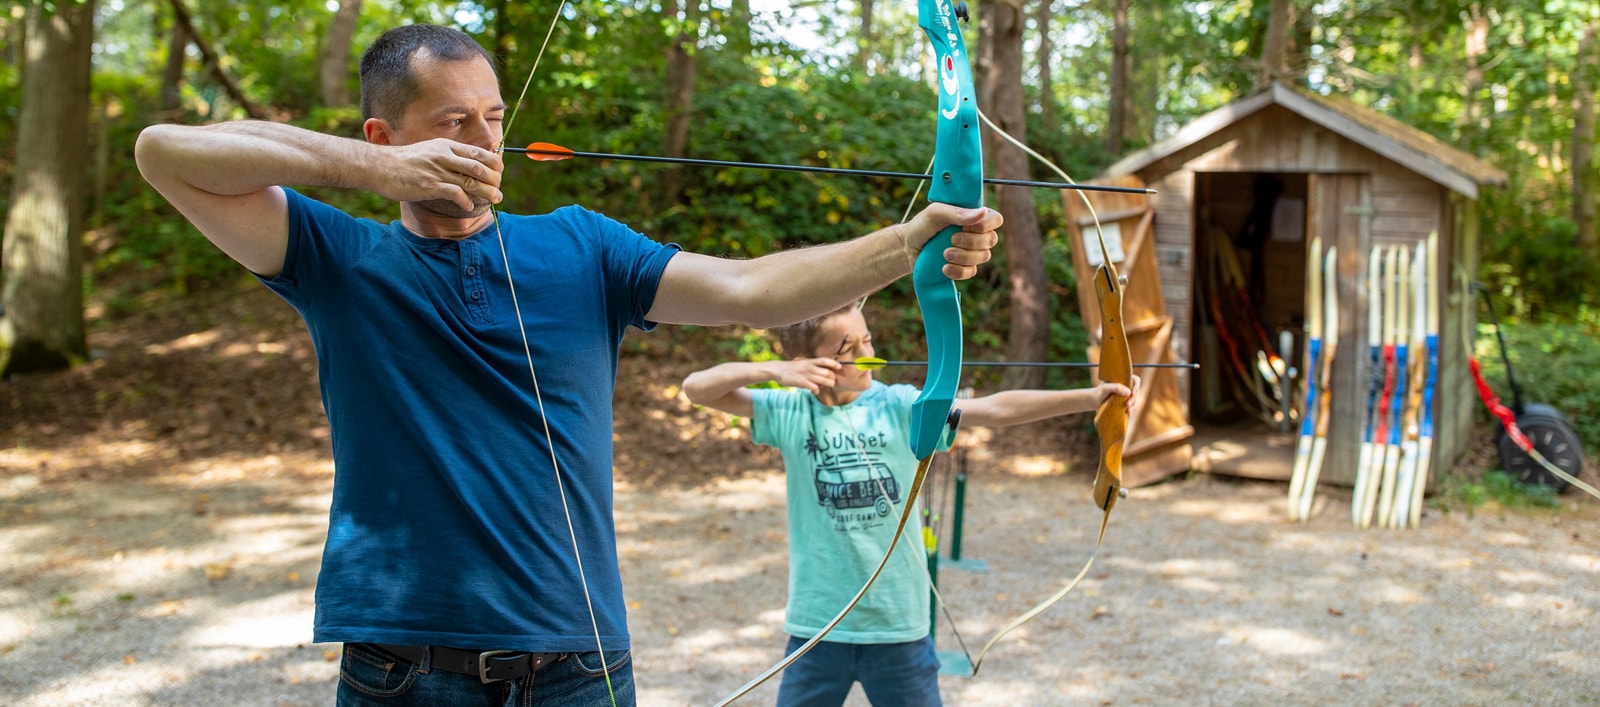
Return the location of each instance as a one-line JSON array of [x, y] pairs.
[[467, 363]]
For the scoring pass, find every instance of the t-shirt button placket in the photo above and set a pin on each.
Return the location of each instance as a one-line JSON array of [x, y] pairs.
[[472, 284]]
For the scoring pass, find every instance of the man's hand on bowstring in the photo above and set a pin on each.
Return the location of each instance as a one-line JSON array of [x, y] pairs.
[[441, 168]]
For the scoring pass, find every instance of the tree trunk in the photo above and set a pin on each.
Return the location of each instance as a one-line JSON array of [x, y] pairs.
[[680, 91], [1584, 178], [1117, 117], [1001, 25], [334, 65], [1477, 46], [738, 30], [172, 76], [503, 41], [864, 44], [214, 63], [1044, 54], [42, 326], [1275, 48]]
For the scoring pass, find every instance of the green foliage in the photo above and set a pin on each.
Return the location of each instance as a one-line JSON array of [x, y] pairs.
[[1494, 489], [754, 347], [601, 86], [1069, 339]]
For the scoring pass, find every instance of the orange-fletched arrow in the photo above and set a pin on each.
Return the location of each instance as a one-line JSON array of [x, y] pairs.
[[548, 152]]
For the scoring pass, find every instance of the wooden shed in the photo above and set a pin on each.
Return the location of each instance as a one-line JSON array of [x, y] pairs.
[[1259, 179]]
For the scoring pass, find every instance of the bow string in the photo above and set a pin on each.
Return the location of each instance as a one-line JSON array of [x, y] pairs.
[[533, 375], [1111, 419]]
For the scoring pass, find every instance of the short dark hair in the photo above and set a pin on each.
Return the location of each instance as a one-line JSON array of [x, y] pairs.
[[800, 340], [387, 83]]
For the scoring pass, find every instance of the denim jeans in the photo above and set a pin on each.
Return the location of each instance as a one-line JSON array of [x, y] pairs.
[[892, 674], [370, 677]]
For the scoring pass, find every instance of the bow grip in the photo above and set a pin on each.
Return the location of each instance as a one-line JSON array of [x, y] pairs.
[[1116, 366], [941, 319]]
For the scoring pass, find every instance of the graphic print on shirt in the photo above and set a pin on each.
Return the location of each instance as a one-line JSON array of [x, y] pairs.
[[852, 479]]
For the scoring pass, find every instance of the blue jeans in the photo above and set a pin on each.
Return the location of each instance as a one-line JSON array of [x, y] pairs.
[[892, 674], [368, 677]]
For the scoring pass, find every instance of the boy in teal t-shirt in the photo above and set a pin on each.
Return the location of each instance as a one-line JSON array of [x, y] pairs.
[[845, 440]]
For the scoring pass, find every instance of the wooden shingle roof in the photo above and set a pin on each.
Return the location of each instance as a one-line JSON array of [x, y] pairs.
[[1406, 145]]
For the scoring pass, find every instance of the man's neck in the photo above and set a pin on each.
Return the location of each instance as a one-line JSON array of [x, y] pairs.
[[429, 225]]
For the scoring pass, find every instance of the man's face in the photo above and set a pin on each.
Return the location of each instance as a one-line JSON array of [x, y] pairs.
[[459, 100]]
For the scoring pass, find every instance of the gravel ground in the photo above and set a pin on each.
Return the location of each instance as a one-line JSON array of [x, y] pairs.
[[197, 591], [163, 508]]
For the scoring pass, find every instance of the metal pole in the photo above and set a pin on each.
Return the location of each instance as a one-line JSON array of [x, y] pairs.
[[960, 505]]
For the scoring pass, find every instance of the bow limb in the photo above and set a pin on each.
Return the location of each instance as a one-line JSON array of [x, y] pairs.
[[1111, 419], [1116, 359], [957, 179], [1111, 425]]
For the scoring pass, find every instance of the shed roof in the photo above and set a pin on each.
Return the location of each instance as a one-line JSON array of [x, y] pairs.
[[1406, 145]]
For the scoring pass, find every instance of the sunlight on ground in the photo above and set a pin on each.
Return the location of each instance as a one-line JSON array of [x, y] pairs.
[[282, 619], [1035, 466], [189, 342], [1276, 641], [1508, 539], [1526, 578], [764, 492], [1584, 563], [1227, 510]]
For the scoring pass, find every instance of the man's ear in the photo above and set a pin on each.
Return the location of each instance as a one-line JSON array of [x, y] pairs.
[[378, 131]]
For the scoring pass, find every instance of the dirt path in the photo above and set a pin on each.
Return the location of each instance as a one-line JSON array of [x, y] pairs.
[[162, 513], [141, 593]]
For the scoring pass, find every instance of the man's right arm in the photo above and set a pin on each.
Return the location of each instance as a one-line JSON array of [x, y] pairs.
[[224, 177]]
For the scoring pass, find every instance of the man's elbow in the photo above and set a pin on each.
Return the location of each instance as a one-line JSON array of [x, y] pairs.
[[152, 150]]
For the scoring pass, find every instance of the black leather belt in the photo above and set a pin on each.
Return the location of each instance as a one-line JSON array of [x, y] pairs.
[[489, 666]]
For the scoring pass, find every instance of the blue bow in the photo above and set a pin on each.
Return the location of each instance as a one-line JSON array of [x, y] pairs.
[[958, 180]]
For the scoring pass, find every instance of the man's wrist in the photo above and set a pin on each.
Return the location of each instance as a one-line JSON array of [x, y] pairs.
[[902, 233]]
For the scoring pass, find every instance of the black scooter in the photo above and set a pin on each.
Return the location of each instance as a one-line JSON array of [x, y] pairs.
[[1552, 436]]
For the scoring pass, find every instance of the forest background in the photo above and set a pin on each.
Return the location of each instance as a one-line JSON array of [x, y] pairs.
[[819, 82]]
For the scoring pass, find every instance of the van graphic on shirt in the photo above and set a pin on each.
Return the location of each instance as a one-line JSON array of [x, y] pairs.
[[858, 483]]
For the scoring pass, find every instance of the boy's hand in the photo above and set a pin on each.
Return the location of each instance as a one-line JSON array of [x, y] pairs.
[[1107, 390], [969, 247], [812, 374]]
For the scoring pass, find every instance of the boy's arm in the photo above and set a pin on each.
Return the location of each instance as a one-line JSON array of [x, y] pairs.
[[799, 283], [1016, 407], [723, 387]]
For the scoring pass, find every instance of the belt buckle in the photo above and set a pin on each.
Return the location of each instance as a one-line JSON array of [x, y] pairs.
[[483, 666]]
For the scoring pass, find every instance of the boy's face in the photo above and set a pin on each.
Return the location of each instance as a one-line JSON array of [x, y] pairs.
[[844, 338]]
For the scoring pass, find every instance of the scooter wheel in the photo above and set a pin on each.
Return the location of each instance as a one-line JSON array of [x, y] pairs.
[[1552, 436]]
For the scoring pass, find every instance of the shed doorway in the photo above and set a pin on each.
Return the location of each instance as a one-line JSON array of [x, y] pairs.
[[1249, 312]]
